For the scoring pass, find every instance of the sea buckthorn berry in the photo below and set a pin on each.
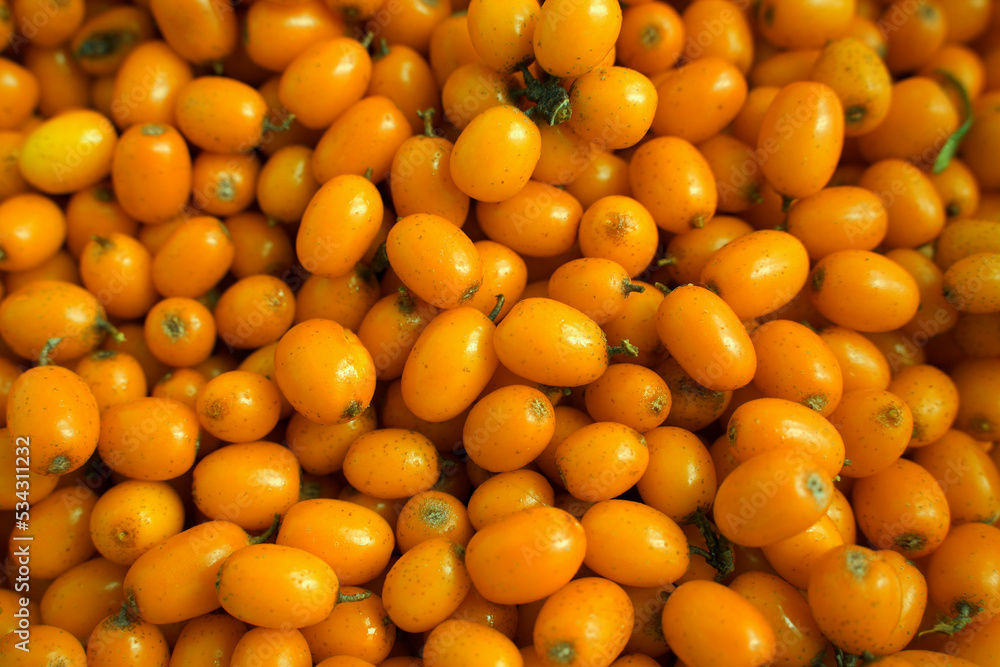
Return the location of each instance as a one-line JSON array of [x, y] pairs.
[[604, 175], [435, 259], [902, 508], [864, 291], [552, 535], [60, 531], [551, 343], [772, 496], [698, 99], [180, 332], [918, 35], [674, 182], [199, 551], [637, 323], [601, 461], [651, 38], [321, 449], [275, 586], [798, 639], [876, 427], [98, 580], [67, 321], [680, 478], [613, 107], [935, 314], [124, 633], [926, 125], [629, 394], [450, 364], [86, 136], [588, 621], [118, 270], [714, 348], [355, 541], [198, 32], [151, 172], [959, 573], [220, 114], [815, 138], [59, 442], [972, 284], [508, 428], [365, 137], [32, 229], [794, 557], [501, 32], [978, 413], [740, 635], [173, 275], [254, 312], [782, 22], [431, 514], [239, 406], [540, 220], [595, 286], [838, 218], [390, 329], [514, 146], [132, 517], [457, 642], [915, 212], [391, 463], [506, 493], [933, 401], [775, 424], [324, 371], [323, 80], [560, 56], [426, 585], [420, 179], [856, 598], [247, 483], [757, 273], [688, 253], [859, 77], [693, 406], [286, 647], [914, 589], [332, 250], [973, 495], [207, 636], [794, 363], [633, 544], [620, 229]]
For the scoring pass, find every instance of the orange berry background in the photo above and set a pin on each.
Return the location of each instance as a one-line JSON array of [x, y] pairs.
[[499, 333]]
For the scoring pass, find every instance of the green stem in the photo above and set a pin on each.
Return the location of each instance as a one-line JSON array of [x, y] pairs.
[[111, 330], [357, 597], [626, 348], [380, 262], [951, 625], [267, 534], [427, 115], [286, 124], [497, 308], [720, 551], [954, 141], [628, 287], [551, 99], [45, 356]]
